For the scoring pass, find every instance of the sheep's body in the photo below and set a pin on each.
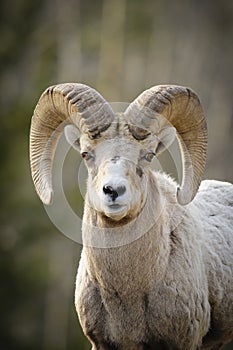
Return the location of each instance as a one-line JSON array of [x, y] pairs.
[[174, 285], [215, 203], [153, 270]]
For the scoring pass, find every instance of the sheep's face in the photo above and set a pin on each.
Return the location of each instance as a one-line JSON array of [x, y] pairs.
[[117, 176], [118, 167]]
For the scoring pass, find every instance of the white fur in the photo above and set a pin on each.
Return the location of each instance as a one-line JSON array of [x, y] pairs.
[[152, 273], [173, 284]]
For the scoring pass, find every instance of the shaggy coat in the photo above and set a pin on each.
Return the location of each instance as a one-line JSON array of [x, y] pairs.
[[172, 286], [156, 270]]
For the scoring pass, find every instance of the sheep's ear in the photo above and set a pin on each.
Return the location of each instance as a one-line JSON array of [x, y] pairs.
[[165, 137], [72, 135]]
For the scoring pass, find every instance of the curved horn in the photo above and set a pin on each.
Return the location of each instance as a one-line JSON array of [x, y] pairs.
[[181, 107], [58, 106]]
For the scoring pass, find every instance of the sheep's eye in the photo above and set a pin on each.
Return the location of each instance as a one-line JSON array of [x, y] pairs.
[[86, 155], [149, 156]]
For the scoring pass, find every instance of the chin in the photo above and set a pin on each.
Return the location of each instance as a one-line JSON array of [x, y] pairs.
[[116, 213]]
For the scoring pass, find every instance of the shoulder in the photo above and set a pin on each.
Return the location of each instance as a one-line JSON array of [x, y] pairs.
[[215, 193]]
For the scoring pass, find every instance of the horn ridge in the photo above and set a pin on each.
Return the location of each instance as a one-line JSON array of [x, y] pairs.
[[181, 107], [59, 105]]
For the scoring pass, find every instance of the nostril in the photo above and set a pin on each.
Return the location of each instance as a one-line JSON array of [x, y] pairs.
[[114, 193], [108, 190], [121, 190]]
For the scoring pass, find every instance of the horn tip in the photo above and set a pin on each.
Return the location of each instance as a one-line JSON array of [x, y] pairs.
[[183, 198], [47, 196]]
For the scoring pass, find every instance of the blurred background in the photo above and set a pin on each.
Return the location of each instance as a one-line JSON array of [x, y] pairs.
[[120, 48]]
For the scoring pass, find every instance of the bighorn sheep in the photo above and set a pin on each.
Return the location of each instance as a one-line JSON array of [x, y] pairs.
[[169, 278]]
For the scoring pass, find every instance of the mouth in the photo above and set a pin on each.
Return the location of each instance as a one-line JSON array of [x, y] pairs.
[[116, 206], [116, 211]]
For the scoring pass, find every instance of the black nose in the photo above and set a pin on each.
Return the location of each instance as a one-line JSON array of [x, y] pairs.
[[114, 193]]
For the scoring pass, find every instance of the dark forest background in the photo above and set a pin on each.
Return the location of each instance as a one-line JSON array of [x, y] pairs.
[[120, 48]]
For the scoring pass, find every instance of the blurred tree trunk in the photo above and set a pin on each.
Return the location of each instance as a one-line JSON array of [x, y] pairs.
[[110, 76], [68, 31]]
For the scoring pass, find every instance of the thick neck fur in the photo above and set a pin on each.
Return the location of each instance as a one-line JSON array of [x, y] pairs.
[[127, 268]]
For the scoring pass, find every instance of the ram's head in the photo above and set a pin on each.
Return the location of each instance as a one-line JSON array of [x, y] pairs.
[[118, 147]]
